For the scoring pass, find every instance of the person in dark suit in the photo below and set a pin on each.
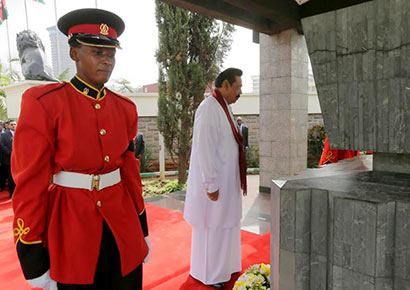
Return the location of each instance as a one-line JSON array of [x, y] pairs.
[[6, 144], [244, 132], [139, 145], [3, 172]]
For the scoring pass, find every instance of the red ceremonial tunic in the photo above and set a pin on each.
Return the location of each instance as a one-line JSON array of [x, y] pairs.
[[334, 155], [61, 128]]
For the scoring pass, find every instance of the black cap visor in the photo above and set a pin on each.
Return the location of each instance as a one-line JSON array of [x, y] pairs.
[[95, 40]]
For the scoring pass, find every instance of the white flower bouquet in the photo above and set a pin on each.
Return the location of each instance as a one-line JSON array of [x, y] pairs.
[[256, 277]]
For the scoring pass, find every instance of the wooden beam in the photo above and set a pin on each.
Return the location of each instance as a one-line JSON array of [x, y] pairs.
[[242, 16], [284, 13]]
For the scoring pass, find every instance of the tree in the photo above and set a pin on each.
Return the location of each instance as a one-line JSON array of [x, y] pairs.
[[190, 55], [7, 77], [64, 76], [122, 86]]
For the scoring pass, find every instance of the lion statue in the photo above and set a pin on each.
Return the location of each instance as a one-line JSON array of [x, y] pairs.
[[32, 57]]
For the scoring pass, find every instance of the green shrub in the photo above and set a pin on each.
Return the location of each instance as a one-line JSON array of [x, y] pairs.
[[157, 187], [145, 159], [172, 186], [252, 157]]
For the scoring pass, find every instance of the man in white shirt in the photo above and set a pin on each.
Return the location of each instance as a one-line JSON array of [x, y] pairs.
[[217, 173]]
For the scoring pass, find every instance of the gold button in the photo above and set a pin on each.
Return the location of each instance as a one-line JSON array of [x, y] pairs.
[[103, 132], [107, 158], [99, 203], [97, 106]]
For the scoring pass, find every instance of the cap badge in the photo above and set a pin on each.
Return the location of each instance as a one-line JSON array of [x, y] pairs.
[[104, 29], [85, 91]]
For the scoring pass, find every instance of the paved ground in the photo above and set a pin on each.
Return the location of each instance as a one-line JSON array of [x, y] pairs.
[[256, 206]]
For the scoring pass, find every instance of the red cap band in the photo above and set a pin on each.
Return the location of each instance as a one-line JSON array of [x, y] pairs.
[[96, 29]]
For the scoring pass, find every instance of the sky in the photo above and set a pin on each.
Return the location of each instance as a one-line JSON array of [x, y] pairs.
[[136, 60]]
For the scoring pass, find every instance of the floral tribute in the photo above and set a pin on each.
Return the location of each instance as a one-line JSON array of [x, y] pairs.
[[256, 277]]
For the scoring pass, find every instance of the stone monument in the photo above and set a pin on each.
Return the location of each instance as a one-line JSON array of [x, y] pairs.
[[347, 226], [32, 56]]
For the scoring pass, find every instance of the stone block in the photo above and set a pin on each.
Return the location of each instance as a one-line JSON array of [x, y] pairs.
[[280, 68], [302, 221], [402, 245], [281, 51], [299, 68], [281, 101], [299, 101], [354, 244], [302, 267], [383, 284], [318, 272], [281, 167], [298, 164], [401, 284], [300, 84], [319, 222], [287, 266], [265, 148], [344, 279], [267, 164], [287, 220], [265, 178], [280, 149], [385, 240], [282, 85]]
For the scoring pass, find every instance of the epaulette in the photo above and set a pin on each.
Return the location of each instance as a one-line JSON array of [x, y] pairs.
[[121, 97], [42, 90]]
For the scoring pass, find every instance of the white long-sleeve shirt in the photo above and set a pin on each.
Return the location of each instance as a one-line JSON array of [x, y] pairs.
[[214, 165]]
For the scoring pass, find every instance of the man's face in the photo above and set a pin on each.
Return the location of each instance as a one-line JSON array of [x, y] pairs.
[[94, 64], [239, 122], [12, 125], [232, 92]]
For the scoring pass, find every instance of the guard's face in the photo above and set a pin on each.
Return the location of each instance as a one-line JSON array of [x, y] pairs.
[[233, 91], [94, 64]]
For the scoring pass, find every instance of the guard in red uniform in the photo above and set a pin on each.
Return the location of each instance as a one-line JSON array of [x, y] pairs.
[[334, 155], [80, 220]]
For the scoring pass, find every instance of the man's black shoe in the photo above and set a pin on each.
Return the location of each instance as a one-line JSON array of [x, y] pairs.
[[218, 285]]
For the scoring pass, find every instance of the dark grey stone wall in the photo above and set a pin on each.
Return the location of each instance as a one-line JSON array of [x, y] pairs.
[[347, 231], [360, 57]]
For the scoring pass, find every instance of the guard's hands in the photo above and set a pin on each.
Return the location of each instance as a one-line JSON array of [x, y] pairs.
[[245, 192], [149, 249], [44, 281], [213, 195]]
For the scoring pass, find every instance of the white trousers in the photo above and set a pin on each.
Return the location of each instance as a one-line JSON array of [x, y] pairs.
[[215, 254]]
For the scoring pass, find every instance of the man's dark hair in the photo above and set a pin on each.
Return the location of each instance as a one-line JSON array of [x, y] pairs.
[[73, 42], [228, 74]]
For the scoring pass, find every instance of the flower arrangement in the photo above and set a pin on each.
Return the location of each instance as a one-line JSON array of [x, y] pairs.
[[256, 277]]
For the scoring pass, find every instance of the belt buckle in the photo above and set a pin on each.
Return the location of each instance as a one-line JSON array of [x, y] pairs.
[[95, 182]]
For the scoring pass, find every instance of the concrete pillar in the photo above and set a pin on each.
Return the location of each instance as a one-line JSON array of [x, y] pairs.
[[283, 106]]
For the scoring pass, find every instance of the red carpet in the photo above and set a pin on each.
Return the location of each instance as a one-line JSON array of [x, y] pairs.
[[168, 267]]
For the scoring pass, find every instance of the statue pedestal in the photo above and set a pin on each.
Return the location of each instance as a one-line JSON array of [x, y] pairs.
[[14, 93], [341, 227]]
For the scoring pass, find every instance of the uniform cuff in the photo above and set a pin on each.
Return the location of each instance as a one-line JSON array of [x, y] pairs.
[[34, 259], [143, 222]]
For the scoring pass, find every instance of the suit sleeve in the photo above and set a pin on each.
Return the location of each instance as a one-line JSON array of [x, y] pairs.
[[3, 146], [31, 164], [130, 175]]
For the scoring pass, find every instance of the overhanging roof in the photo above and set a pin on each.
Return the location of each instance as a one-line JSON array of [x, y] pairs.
[[265, 16]]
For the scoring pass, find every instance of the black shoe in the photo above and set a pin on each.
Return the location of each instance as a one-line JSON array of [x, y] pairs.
[[218, 285]]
